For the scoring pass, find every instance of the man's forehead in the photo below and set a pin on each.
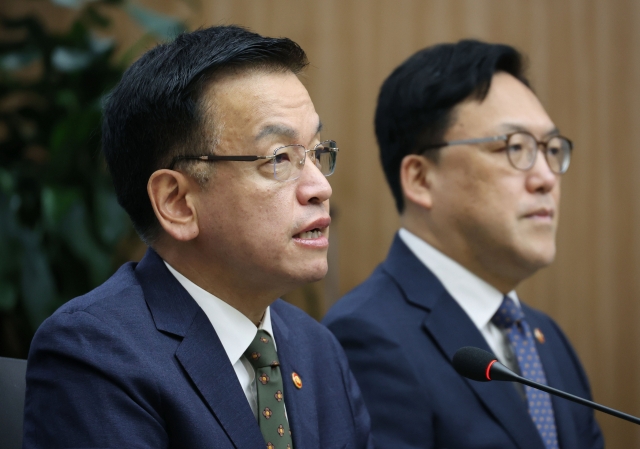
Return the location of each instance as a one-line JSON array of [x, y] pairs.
[[509, 106], [246, 91]]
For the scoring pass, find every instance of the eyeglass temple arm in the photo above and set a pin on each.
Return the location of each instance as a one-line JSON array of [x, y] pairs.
[[464, 142], [215, 157]]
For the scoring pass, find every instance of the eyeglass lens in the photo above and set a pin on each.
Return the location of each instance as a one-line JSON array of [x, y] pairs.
[[522, 150], [289, 161]]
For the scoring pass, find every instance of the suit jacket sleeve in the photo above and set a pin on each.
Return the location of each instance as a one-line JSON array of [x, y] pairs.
[[361, 418], [389, 383], [77, 395]]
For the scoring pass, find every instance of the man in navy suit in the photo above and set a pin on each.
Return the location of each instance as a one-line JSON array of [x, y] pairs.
[[215, 150], [474, 163]]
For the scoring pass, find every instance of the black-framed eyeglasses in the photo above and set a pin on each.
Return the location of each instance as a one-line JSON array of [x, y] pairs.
[[288, 160], [522, 149]]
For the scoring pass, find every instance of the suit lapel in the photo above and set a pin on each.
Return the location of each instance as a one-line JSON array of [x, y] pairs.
[[500, 398], [451, 328], [202, 356], [300, 402], [200, 353]]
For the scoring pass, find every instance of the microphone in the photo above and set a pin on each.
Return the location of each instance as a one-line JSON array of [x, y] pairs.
[[482, 366]]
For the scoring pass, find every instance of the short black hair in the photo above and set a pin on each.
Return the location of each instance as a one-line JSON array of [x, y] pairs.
[[154, 112], [416, 101]]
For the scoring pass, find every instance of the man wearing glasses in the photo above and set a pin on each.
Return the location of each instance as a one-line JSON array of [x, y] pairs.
[[215, 150], [474, 163]]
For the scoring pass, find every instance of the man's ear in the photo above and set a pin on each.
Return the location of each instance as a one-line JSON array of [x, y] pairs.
[[171, 194], [415, 179]]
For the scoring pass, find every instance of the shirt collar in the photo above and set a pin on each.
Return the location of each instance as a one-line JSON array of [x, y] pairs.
[[477, 298], [235, 330]]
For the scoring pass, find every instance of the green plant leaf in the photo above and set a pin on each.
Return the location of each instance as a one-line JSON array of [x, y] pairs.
[[68, 139], [101, 45], [6, 181], [8, 295], [18, 60], [111, 219], [70, 60], [163, 26], [75, 231], [36, 281], [91, 16], [67, 99], [9, 236], [56, 203], [74, 4], [56, 233]]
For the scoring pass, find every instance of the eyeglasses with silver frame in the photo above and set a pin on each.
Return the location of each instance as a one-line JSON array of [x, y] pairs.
[[522, 149], [288, 160]]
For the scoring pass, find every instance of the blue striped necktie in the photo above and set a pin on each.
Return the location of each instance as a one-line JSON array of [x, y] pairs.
[[510, 318]]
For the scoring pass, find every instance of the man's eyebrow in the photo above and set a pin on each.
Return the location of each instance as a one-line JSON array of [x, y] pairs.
[[554, 132], [512, 127], [282, 130], [277, 130]]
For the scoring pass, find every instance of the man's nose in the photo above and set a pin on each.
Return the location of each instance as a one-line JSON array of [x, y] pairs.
[[313, 186], [540, 178]]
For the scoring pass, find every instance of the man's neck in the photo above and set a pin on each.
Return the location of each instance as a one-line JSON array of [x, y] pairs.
[[238, 293], [459, 252]]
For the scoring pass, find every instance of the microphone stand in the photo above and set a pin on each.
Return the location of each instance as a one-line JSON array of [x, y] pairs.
[[500, 372]]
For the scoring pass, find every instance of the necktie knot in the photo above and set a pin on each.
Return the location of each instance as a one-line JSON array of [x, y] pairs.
[[262, 352], [508, 314]]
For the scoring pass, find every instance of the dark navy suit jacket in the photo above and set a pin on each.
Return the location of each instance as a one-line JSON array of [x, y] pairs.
[[137, 364], [400, 329]]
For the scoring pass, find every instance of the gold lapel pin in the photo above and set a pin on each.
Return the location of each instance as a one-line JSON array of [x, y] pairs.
[[296, 380], [539, 335]]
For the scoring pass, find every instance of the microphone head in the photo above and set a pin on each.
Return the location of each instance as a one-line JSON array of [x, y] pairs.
[[472, 363]]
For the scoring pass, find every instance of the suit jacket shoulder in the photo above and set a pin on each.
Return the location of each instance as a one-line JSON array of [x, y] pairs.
[[400, 329], [136, 363]]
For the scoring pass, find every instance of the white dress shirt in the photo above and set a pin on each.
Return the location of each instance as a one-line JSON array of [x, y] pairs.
[[235, 331], [477, 298]]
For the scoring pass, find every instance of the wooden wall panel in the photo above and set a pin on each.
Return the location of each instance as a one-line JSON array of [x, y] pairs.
[[584, 66]]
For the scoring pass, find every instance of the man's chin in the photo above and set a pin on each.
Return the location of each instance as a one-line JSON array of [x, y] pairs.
[[313, 272], [300, 279], [538, 259]]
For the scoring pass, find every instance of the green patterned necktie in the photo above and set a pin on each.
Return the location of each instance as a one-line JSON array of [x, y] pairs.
[[271, 416]]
